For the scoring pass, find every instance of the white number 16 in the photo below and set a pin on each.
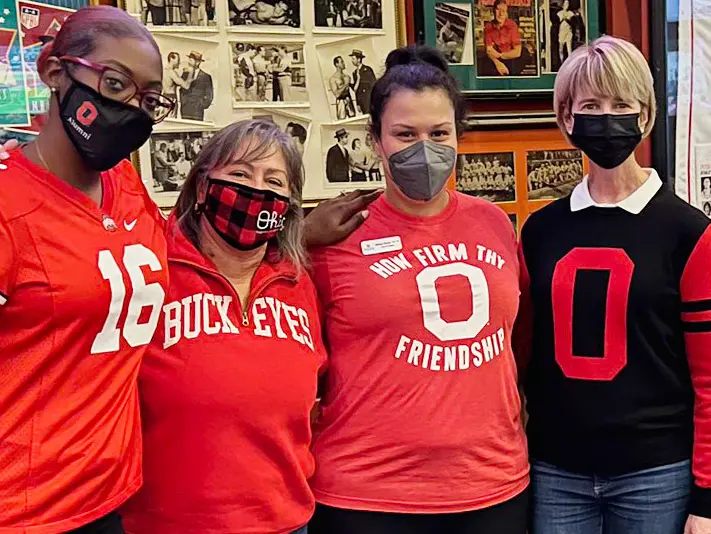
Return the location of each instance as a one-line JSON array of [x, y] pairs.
[[151, 295]]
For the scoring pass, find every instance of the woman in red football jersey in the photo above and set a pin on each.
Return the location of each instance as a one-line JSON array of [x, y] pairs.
[[420, 428], [229, 381], [82, 281]]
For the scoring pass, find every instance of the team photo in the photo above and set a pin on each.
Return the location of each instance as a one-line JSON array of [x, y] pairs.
[[553, 173], [489, 176]]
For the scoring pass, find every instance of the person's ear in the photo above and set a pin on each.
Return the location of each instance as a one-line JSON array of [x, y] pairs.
[[568, 121], [643, 119], [52, 74]]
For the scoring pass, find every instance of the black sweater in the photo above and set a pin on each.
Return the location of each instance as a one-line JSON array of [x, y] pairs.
[[615, 326]]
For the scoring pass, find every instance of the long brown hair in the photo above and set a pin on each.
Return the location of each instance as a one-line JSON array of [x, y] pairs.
[[251, 140]]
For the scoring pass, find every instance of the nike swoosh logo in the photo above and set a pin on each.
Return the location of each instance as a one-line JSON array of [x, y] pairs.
[[130, 225]]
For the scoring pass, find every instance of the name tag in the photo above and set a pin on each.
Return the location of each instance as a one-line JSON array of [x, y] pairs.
[[381, 246]]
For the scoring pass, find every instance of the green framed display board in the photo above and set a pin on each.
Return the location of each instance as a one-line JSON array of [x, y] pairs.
[[500, 47]]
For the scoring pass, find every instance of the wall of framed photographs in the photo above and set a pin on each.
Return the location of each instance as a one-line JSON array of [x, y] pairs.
[[307, 65], [498, 47], [520, 171]]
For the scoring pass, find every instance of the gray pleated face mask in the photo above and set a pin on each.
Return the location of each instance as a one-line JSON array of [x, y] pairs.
[[421, 170]]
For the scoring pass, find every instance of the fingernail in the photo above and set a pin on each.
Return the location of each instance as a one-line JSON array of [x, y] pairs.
[[4, 155], [3, 167], [364, 214]]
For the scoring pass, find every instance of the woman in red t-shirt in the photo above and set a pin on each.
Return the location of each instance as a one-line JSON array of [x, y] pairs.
[[420, 429]]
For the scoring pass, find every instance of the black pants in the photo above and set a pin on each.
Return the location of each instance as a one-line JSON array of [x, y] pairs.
[[109, 524], [506, 518]]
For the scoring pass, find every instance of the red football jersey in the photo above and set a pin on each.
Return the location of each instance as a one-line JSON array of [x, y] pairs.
[[227, 399], [421, 413], [82, 287]]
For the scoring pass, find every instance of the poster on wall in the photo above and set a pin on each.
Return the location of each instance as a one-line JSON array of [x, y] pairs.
[[563, 28], [506, 39], [39, 23], [277, 14], [454, 33], [693, 131], [553, 174], [14, 108], [490, 176], [344, 15], [349, 157]]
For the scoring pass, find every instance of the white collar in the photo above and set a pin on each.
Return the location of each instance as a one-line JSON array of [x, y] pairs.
[[634, 204]]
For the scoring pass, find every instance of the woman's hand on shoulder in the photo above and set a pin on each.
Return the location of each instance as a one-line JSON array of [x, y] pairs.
[[5, 149], [335, 219]]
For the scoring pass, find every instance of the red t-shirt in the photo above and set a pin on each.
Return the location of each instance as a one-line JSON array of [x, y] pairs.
[[420, 413], [504, 38], [81, 295], [226, 402]]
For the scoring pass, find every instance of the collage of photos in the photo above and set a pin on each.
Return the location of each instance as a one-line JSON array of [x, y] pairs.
[[703, 173], [266, 59], [513, 45]]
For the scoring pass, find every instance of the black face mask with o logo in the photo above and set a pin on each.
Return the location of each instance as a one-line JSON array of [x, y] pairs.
[[102, 130]]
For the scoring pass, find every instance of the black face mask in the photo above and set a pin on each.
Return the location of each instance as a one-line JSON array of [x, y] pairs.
[[102, 130], [608, 140]]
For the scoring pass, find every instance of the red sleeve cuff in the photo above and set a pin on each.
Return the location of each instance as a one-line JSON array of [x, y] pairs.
[[700, 504]]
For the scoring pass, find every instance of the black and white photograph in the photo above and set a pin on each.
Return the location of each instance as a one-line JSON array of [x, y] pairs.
[[348, 14], [349, 156], [174, 14], [490, 176], [506, 39], [297, 128], [268, 74], [349, 70], [172, 157], [189, 71], [553, 174], [563, 29], [251, 14], [454, 32]]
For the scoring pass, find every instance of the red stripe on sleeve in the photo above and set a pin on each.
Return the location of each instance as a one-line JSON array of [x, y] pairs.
[[695, 291]]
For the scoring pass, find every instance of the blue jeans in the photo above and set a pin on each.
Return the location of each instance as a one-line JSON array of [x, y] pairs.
[[654, 501], [302, 530]]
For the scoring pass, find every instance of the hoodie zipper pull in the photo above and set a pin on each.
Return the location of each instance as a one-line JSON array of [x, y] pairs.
[[245, 320]]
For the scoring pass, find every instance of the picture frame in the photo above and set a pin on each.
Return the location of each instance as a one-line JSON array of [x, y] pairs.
[[166, 158], [283, 17], [547, 30], [175, 16]]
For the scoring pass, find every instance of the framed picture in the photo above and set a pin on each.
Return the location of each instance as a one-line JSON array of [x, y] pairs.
[[454, 33], [268, 73], [38, 23], [349, 69], [189, 76], [297, 127], [271, 16], [166, 160], [348, 16], [349, 158], [491, 176], [175, 15], [518, 45], [553, 174]]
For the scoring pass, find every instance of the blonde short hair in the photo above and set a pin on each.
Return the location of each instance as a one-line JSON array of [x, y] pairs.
[[607, 67]]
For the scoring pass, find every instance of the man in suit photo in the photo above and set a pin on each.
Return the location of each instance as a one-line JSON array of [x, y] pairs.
[[198, 97], [337, 159], [363, 81]]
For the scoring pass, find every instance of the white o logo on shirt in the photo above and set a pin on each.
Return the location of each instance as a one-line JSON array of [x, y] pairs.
[[431, 312]]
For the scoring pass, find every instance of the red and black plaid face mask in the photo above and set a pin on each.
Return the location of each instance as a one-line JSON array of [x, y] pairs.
[[243, 216]]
